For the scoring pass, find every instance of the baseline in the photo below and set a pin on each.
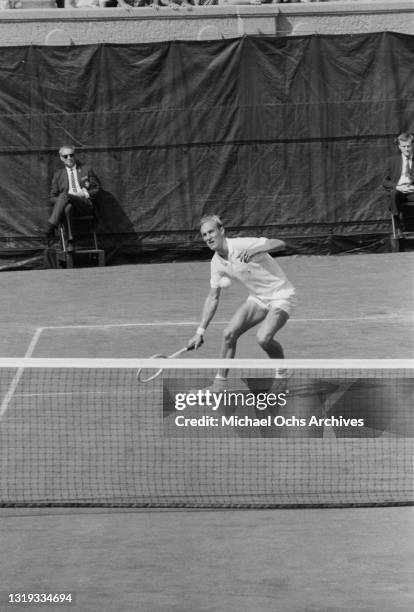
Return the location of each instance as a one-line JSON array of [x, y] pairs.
[[379, 317]]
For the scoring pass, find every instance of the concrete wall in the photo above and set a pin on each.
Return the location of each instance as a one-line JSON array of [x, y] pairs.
[[49, 25]]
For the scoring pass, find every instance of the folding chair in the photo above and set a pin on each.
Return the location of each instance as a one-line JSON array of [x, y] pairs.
[[402, 227], [83, 230]]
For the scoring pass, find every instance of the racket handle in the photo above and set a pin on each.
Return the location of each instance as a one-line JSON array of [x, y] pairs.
[[178, 353], [192, 347]]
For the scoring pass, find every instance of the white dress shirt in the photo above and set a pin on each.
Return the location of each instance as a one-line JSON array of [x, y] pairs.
[[78, 188], [406, 170]]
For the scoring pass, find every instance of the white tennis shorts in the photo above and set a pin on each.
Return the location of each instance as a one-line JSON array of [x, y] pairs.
[[286, 303]]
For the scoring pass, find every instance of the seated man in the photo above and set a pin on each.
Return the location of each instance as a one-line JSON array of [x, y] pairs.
[[73, 189], [399, 177]]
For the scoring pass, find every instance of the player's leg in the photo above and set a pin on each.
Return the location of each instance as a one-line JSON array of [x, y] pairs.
[[247, 316], [273, 322]]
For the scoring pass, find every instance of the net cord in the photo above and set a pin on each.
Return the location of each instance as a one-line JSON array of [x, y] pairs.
[[207, 364]]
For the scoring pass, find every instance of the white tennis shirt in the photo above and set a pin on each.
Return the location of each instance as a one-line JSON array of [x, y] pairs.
[[261, 276]]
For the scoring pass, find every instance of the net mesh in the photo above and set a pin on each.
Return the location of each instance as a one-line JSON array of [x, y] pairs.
[[90, 434]]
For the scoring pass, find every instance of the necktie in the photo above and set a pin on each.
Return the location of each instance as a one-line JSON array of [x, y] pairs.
[[72, 181]]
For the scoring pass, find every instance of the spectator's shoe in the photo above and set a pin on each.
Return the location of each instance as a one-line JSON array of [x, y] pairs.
[[70, 246]]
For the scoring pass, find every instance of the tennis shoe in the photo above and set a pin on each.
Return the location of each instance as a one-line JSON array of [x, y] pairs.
[[217, 386], [282, 373]]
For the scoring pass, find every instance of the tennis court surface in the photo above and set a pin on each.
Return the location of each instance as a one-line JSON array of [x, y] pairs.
[[357, 306], [97, 439]]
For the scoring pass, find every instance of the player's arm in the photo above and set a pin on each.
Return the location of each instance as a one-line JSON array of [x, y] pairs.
[[208, 312], [262, 245]]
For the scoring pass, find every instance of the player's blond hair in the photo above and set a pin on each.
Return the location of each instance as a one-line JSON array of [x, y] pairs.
[[215, 218]]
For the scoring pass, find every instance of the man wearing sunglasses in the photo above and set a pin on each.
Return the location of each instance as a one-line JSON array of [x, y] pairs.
[[74, 188]]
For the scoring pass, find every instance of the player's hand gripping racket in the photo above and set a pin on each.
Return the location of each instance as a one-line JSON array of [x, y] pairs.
[[145, 379]]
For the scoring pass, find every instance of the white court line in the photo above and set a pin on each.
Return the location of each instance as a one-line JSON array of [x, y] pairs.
[[16, 379], [152, 324], [396, 317]]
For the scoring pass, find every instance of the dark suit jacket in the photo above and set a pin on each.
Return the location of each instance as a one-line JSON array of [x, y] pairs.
[[86, 176], [392, 172]]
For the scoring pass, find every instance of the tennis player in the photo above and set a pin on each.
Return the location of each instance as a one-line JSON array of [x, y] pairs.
[[271, 296]]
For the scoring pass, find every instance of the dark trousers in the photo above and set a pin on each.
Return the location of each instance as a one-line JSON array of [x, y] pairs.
[[402, 207], [398, 199], [66, 207]]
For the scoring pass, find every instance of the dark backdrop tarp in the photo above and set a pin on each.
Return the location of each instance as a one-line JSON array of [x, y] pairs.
[[286, 136]]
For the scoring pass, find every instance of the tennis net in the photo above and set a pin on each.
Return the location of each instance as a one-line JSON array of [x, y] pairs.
[[309, 434]]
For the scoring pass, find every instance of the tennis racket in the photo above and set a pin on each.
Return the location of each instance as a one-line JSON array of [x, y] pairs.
[[140, 376]]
